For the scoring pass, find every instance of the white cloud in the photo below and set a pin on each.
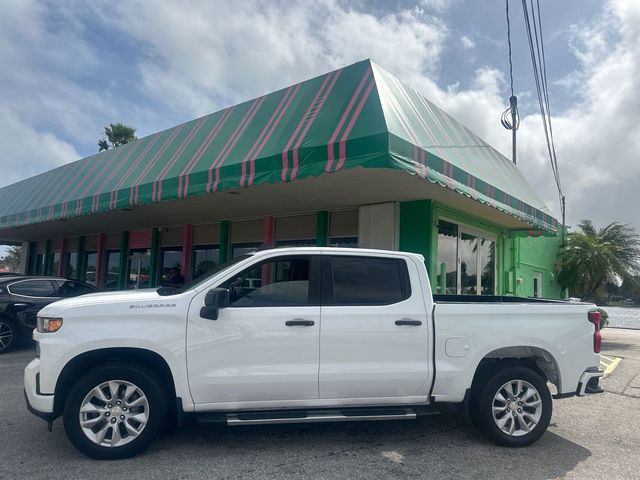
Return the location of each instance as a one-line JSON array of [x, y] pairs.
[[467, 43], [27, 152], [212, 54]]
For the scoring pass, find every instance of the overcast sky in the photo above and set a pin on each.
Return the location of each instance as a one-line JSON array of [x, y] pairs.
[[69, 68]]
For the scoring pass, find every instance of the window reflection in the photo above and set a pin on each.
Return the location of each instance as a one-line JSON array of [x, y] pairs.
[[447, 278], [475, 255]]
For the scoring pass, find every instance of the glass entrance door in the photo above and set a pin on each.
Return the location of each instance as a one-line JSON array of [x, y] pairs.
[[139, 261], [466, 261]]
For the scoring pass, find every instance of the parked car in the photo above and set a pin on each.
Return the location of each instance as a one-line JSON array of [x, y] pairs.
[[326, 334], [21, 297]]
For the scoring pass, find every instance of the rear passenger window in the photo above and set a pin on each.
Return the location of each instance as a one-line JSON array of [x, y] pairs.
[[32, 288], [369, 281]]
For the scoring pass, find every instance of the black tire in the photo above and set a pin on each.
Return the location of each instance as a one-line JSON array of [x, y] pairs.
[[145, 380], [482, 400], [9, 334]]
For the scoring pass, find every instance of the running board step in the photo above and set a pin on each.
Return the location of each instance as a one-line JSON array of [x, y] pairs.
[[319, 416]]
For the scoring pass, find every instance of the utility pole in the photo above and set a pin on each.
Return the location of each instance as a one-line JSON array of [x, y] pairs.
[[513, 102]]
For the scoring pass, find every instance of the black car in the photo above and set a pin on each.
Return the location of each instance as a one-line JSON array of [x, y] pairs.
[[22, 297]]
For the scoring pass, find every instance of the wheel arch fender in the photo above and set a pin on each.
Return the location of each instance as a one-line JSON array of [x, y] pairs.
[[537, 358], [83, 362]]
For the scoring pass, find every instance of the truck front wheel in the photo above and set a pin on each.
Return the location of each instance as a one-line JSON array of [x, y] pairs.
[[513, 408], [114, 411]]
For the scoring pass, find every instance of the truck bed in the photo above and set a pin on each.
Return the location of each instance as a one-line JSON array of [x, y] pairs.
[[443, 298]]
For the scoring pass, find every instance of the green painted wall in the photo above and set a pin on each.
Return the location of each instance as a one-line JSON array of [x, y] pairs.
[[517, 258], [416, 229], [538, 255]]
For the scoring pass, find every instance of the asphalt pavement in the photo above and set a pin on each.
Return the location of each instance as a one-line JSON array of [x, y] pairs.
[[596, 437]]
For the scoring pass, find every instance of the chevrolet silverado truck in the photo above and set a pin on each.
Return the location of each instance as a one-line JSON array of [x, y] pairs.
[[296, 335]]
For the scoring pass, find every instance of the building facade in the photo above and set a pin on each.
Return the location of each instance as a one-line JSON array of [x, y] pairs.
[[351, 158]]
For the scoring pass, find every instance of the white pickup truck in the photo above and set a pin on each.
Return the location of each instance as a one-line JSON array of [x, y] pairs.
[[305, 335]]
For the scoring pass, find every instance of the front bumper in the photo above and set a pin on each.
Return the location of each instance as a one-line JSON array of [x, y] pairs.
[[590, 382], [38, 403]]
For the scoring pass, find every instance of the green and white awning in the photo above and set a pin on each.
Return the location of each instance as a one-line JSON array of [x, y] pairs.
[[358, 116]]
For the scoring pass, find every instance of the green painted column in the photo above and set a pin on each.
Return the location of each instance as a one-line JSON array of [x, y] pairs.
[[81, 265], [33, 256], [225, 236], [322, 229], [124, 253], [154, 257], [48, 259], [416, 231]]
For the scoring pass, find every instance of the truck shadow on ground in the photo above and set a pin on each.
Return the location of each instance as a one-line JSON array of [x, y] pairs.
[[442, 446]]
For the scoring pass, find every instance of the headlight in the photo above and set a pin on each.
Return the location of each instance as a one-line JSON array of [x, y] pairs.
[[48, 325]]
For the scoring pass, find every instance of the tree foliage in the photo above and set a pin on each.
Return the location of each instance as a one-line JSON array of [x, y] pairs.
[[116, 134], [592, 257], [11, 260]]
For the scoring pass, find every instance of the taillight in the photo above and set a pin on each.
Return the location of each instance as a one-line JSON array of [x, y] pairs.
[[595, 317]]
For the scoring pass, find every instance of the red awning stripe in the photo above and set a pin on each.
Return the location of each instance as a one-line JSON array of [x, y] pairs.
[[231, 143], [185, 143], [113, 202], [310, 120], [186, 171], [343, 119], [265, 134], [343, 145], [312, 104]]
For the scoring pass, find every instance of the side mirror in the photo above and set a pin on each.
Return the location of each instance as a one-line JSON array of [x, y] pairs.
[[215, 299]]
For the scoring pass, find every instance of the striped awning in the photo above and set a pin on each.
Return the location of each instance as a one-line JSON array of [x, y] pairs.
[[358, 116]]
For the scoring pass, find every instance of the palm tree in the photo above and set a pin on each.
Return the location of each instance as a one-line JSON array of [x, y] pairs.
[[592, 257]]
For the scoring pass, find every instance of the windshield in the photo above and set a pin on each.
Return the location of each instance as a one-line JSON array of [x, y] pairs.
[[203, 278]]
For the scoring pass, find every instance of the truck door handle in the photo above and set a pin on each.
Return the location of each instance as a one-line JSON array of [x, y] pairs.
[[299, 322], [408, 321]]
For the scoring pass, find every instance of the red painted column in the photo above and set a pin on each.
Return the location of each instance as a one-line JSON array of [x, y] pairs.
[[62, 265], [187, 248], [269, 233], [102, 245]]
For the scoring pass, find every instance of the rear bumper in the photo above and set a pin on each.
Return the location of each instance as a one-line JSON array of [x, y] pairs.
[[590, 382], [38, 403]]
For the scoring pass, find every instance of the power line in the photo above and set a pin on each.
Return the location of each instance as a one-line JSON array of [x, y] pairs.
[[538, 61]]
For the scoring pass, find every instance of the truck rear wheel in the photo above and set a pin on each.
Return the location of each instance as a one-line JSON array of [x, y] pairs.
[[513, 407], [114, 411]]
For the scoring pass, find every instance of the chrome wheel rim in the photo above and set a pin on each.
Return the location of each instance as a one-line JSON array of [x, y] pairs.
[[517, 408], [6, 335], [114, 413]]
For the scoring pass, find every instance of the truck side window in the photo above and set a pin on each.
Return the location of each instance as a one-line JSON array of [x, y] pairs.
[[277, 282], [369, 281]]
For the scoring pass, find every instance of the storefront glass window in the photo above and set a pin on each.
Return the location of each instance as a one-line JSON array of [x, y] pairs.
[[475, 254], [205, 259], [447, 277], [55, 264], [110, 281], [487, 251], [344, 242], [239, 249], [139, 261], [91, 265], [71, 266], [468, 248], [170, 261], [310, 242]]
